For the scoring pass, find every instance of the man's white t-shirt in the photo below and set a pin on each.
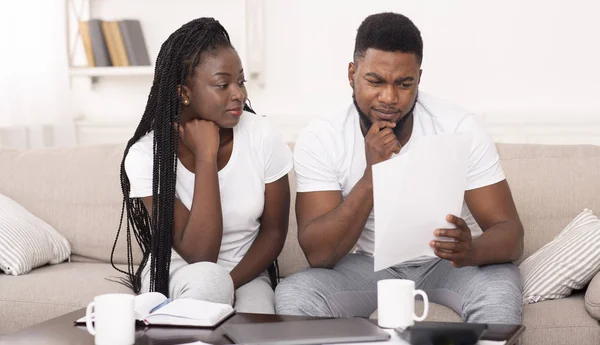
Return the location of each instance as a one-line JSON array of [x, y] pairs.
[[259, 156], [329, 154]]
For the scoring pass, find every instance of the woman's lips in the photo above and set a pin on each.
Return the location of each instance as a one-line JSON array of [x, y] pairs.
[[236, 111]]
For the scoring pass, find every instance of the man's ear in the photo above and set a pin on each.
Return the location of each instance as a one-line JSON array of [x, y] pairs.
[[351, 72], [420, 74]]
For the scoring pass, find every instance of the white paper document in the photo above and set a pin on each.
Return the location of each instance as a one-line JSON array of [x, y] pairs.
[[413, 192]]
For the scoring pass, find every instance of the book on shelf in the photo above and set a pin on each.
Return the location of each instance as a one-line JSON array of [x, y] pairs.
[[154, 309], [86, 38], [114, 43], [133, 37], [99, 49]]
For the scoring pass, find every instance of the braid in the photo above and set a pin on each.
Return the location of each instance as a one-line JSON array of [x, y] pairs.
[[178, 56]]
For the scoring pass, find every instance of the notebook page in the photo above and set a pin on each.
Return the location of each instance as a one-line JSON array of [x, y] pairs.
[[145, 302], [190, 312]]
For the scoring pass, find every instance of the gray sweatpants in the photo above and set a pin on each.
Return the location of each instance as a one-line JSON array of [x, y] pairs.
[[485, 294], [210, 282]]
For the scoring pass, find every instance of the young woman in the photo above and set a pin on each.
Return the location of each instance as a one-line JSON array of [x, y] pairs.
[[204, 179]]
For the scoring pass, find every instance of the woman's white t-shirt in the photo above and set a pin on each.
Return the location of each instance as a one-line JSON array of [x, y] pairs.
[[259, 156]]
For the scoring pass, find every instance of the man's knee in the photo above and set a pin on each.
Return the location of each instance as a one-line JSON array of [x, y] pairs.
[[504, 284], [301, 294], [499, 297], [204, 281]]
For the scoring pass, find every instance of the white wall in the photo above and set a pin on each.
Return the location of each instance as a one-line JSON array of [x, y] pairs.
[[528, 67]]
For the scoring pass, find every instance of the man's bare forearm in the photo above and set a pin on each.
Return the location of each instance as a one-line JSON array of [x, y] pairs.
[[329, 237], [501, 243]]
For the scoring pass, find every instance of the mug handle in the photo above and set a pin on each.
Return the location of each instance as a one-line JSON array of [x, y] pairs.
[[425, 301], [88, 318]]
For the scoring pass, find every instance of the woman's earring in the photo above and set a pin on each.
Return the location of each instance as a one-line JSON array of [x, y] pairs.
[[186, 101]]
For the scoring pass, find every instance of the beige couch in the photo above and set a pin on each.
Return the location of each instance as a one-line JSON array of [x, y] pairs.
[[77, 191]]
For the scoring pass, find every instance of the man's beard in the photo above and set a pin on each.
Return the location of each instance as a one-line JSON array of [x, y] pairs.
[[367, 123]]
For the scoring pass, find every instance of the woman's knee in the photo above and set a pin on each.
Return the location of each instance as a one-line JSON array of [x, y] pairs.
[[204, 281], [255, 297]]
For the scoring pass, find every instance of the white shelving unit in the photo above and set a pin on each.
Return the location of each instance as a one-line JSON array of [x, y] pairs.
[[78, 10], [83, 80]]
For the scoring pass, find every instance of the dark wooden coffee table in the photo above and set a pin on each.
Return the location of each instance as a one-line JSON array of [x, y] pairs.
[[61, 330]]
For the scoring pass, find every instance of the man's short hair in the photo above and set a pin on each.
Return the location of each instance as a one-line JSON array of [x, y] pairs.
[[390, 32]]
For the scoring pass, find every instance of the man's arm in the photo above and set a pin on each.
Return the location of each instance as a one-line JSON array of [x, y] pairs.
[[494, 210], [329, 227], [271, 236], [502, 240]]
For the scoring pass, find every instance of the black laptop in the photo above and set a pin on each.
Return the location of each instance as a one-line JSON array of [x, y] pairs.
[[328, 331]]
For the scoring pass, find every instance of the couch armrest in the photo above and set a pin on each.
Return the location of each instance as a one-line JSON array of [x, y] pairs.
[[592, 297]]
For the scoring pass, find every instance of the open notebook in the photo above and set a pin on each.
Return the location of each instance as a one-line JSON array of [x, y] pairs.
[[155, 309]]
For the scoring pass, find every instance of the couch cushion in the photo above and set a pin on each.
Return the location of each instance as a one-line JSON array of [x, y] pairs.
[[550, 185], [27, 242], [76, 190], [51, 291], [564, 264], [292, 258], [592, 297], [558, 322]]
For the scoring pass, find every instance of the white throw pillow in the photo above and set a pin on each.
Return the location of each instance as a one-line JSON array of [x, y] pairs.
[[566, 263], [27, 242]]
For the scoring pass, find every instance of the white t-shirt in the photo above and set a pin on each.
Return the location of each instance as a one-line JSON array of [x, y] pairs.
[[330, 154], [259, 156]]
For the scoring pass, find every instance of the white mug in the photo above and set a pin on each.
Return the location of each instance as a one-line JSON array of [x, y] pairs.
[[396, 303], [113, 318]]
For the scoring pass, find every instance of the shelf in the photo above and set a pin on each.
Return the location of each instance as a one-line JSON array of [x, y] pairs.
[[111, 71]]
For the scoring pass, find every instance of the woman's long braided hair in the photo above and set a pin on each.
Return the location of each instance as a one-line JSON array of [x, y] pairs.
[[178, 57]]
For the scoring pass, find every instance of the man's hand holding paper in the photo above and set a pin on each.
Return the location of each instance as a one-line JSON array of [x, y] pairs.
[[459, 251], [414, 193]]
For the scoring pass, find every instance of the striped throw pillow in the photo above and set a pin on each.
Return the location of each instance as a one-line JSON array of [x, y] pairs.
[[27, 242], [566, 263]]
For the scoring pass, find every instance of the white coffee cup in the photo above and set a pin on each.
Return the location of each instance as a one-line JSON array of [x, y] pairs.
[[113, 318], [396, 303]]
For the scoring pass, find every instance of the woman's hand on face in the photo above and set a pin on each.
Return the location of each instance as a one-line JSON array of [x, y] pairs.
[[202, 137]]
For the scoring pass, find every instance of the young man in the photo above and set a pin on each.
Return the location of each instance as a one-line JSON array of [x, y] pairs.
[[333, 158]]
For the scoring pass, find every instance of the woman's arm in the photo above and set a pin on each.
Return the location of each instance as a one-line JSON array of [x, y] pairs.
[[197, 232], [273, 230]]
